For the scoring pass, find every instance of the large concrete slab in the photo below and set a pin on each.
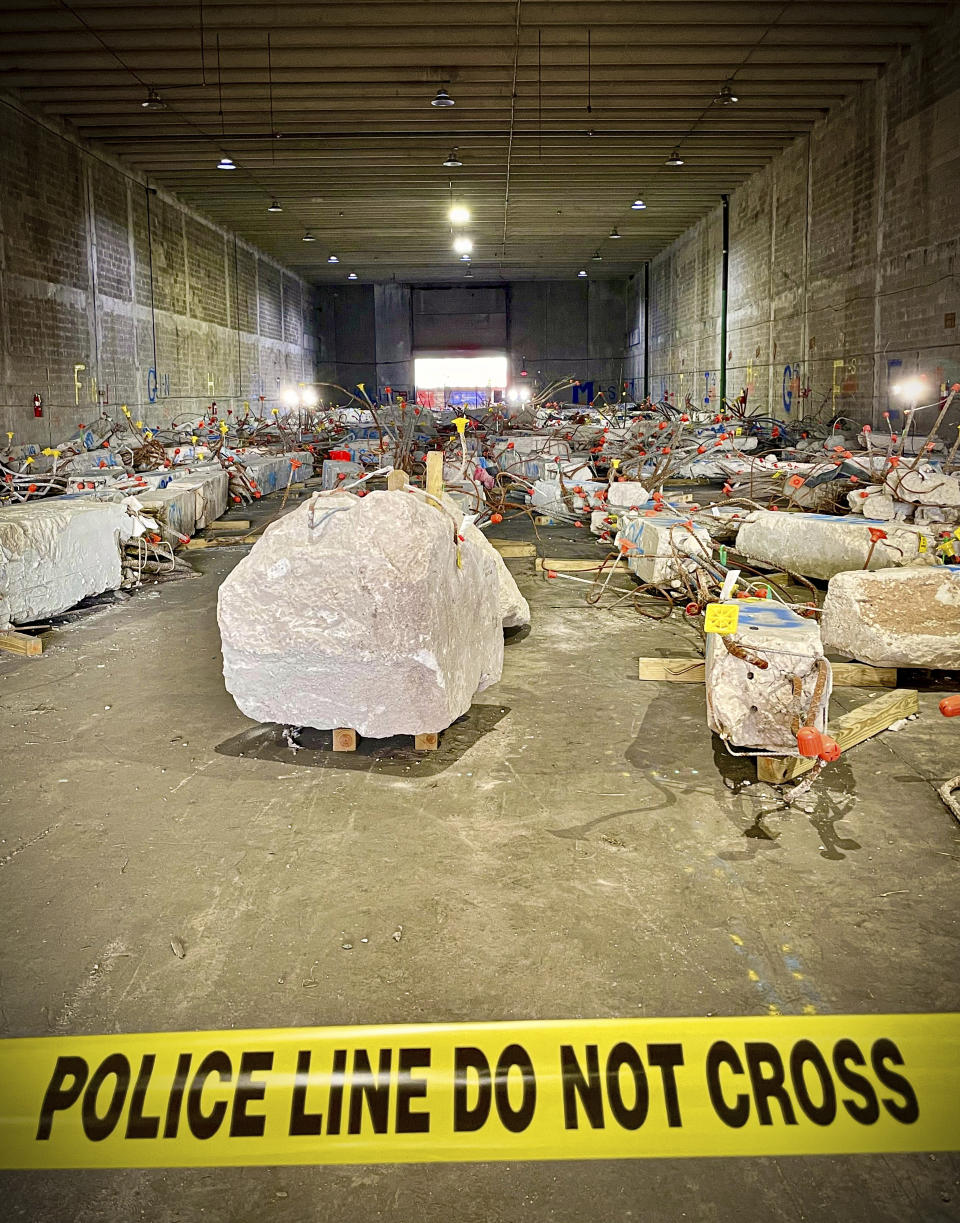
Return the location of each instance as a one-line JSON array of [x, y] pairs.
[[369, 613], [821, 545], [54, 553], [895, 618]]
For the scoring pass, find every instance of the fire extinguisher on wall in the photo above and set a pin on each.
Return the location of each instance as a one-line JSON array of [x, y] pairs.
[[37, 406]]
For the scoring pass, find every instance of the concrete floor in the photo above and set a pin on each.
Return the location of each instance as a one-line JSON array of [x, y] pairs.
[[573, 850]]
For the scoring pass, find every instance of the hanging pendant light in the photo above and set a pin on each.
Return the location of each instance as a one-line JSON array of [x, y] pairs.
[[442, 99], [453, 160], [674, 159], [226, 163], [614, 233], [153, 101], [307, 236], [274, 206]]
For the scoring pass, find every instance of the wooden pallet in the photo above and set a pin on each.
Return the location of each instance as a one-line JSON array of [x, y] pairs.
[[345, 740]]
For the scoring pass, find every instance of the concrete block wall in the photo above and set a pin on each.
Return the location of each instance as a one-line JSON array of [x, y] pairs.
[[555, 328], [844, 261], [112, 294]]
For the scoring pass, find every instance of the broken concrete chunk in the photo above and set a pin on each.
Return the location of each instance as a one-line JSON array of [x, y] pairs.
[[627, 493], [54, 553], [753, 706], [514, 609], [924, 486], [661, 544], [356, 612], [821, 545], [895, 618]]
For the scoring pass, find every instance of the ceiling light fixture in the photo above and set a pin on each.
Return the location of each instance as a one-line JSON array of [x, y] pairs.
[[226, 163], [442, 99], [468, 273], [453, 159], [153, 101], [674, 159], [307, 236], [582, 273], [726, 96], [464, 258], [462, 245], [614, 233], [332, 259], [638, 204], [596, 256], [459, 214], [274, 206], [351, 276]]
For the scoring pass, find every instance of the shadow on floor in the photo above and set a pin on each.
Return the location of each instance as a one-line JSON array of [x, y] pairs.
[[305, 747]]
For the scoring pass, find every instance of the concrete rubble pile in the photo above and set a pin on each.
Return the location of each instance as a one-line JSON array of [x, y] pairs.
[[368, 613], [60, 506]]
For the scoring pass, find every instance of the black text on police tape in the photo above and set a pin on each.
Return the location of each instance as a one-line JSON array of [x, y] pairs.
[[386, 1090]]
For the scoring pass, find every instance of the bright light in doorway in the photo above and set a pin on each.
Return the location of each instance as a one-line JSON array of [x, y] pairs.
[[433, 373]]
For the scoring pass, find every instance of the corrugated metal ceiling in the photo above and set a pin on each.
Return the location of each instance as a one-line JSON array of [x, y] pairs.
[[565, 111]]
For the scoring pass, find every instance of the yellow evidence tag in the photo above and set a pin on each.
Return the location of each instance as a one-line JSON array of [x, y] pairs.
[[721, 618]]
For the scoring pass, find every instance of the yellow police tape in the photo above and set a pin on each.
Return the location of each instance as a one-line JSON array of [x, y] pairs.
[[577, 1089]]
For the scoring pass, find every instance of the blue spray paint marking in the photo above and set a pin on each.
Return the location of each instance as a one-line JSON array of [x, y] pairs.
[[706, 386], [586, 388], [787, 389], [152, 385]]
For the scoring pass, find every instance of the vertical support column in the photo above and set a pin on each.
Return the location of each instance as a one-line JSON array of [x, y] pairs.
[[879, 359], [646, 330], [724, 278]]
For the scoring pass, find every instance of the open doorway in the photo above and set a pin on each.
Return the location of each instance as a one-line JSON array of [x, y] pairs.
[[466, 384]]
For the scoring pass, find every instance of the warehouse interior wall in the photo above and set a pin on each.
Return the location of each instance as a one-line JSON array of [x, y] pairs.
[[114, 293], [554, 329], [843, 279]]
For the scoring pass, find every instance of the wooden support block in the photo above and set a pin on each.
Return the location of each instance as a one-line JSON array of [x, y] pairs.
[[562, 564], [229, 524], [20, 643], [848, 730], [860, 675], [396, 479], [344, 740], [691, 670], [673, 670], [435, 473], [541, 520], [511, 548], [426, 743]]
